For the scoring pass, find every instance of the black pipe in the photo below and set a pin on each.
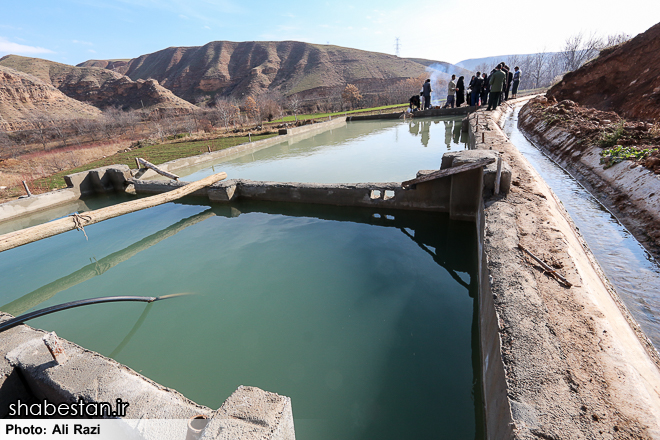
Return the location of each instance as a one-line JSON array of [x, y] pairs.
[[83, 302]]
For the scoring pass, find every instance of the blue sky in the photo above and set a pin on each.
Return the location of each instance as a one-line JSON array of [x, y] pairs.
[[72, 31]]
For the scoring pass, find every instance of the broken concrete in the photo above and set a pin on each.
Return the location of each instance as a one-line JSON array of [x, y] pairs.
[[29, 373]]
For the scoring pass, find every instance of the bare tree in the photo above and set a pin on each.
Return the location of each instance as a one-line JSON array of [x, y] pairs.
[[294, 104], [615, 40], [537, 65], [226, 111], [41, 125], [578, 49]]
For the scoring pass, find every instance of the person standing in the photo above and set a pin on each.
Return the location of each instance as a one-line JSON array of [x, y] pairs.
[[496, 82], [426, 92], [460, 91], [451, 89], [507, 81], [485, 90], [516, 81], [477, 85]]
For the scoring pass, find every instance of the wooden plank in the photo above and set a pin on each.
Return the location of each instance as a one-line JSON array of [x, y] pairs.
[[28, 235], [448, 172], [158, 170]]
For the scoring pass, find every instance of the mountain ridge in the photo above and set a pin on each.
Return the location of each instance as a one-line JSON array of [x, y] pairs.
[[237, 69]]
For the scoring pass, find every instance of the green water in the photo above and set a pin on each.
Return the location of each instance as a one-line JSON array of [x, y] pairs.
[[363, 151], [364, 318]]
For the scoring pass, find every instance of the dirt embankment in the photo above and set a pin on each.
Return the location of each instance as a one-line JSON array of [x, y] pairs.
[[23, 98], [623, 78], [591, 144]]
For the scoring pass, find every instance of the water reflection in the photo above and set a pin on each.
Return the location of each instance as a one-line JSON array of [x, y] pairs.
[[96, 268], [362, 151]]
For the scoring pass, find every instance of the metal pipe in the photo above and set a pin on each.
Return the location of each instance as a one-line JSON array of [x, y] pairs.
[[83, 302]]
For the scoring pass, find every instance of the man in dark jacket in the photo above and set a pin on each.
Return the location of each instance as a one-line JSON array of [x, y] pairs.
[[496, 81], [476, 86], [426, 92]]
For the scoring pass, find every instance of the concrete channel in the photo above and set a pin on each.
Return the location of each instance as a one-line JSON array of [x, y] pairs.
[[557, 362]]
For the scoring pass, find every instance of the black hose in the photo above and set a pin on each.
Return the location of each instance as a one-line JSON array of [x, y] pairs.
[[83, 302]]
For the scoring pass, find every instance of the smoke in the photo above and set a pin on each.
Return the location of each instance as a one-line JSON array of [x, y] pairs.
[[440, 74]]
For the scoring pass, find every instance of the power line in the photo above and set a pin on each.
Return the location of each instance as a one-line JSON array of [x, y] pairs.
[[397, 46]]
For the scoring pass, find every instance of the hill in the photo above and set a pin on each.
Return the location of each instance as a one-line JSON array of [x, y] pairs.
[[442, 66], [472, 63], [287, 67], [99, 87], [623, 79], [24, 99]]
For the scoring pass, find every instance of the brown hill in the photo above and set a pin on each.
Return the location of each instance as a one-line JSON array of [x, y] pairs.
[[97, 86], [25, 98], [623, 79], [289, 67], [444, 67]]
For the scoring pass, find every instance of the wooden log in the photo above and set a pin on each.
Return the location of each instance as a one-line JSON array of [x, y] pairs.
[[28, 235], [156, 169], [448, 172]]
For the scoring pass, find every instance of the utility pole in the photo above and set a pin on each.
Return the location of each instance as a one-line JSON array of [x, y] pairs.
[[397, 45]]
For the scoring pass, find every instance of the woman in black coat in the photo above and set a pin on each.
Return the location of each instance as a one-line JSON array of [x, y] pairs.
[[460, 91]]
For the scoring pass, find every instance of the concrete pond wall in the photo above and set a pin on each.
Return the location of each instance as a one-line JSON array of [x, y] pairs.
[[31, 373]]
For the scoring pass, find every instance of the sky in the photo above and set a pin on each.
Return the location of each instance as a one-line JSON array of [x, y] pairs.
[[73, 31]]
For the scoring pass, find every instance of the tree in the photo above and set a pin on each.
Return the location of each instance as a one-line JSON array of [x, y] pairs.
[[351, 95], [537, 65], [578, 49], [251, 109], [294, 106], [615, 39], [227, 112], [41, 124]]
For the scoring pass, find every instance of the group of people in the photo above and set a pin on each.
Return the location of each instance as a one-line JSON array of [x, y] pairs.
[[483, 89]]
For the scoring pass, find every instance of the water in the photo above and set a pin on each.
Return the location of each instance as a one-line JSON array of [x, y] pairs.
[[63, 210], [362, 151], [629, 267], [364, 318]]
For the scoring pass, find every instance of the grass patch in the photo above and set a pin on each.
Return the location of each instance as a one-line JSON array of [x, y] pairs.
[[620, 153], [156, 154], [608, 140], [325, 115]]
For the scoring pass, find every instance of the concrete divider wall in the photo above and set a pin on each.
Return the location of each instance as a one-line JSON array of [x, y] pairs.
[[110, 178], [191, 161]]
